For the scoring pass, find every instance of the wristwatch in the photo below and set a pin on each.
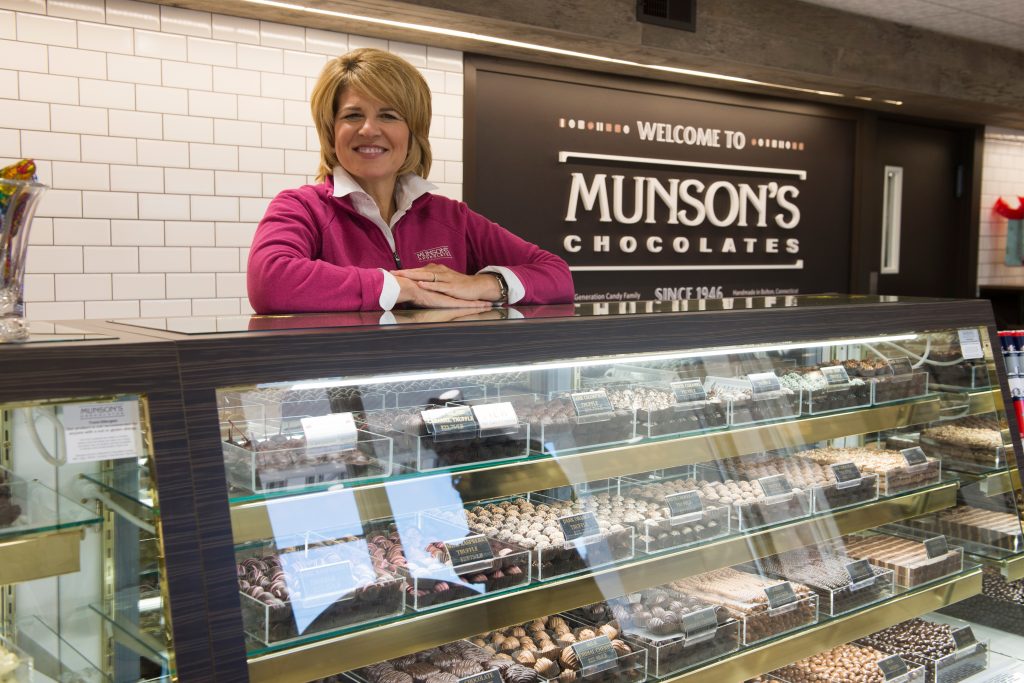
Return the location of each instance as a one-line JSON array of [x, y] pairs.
[[502, 287]]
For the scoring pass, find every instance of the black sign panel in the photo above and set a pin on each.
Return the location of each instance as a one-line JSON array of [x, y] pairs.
[[861, 574], [656, 191], [775, 485], [457, 420], [587, 403], [936, 547], [489, 676], [780, 595], [685, 506], [700, 624], [846, 474], [472, 550], [595, 654], [579, 525], [688, 391], [964, 637], [892, 667], [914, 456]]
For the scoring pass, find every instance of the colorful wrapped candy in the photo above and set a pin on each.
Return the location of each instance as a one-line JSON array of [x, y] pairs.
[[21, 170]]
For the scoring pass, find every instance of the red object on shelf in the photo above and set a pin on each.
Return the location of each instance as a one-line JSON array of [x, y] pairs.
[[1004, 210]]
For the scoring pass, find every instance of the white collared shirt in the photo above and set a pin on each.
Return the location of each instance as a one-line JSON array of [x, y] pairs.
[[408, 188]]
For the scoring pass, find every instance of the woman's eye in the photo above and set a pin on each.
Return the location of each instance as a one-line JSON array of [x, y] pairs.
[[390, 117]]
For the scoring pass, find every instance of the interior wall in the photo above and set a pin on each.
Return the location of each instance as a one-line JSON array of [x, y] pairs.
[[1002, 176], [163, 133]]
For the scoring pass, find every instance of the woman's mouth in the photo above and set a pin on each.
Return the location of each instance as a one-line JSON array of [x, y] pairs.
[[370, 149]]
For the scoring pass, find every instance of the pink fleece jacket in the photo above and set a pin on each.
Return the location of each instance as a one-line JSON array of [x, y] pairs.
[[314, 252]]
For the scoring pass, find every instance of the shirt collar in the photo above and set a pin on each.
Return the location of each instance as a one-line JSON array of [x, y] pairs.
[[408, 188]]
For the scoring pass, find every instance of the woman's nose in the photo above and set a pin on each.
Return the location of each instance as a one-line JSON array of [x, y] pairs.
[[369, 127]]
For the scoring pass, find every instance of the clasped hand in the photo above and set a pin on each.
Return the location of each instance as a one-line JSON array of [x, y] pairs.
[[437, 286]]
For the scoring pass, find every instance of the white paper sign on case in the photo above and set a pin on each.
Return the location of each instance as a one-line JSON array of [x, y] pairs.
[[335, 430], [495, 415], [970, 343], [102, 431]]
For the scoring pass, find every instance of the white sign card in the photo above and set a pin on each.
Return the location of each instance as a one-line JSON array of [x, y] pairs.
[[102, 431]]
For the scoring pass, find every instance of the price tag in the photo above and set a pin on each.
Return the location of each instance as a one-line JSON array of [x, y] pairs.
[[700, 625], [579, 525], [847, 475], [835, 376], [901, 366], [893, 668], [488, 676], [764, 383], [936, 547], [684, 507], [775, 486], [688, 391], [457, 420], [970, 343], [496, 416], [334, 431], [914, 456], [589, 403], [595, 654], [102, 431], [326, 582], [780, 595], [861, 574], [964, 637], [470, 553]]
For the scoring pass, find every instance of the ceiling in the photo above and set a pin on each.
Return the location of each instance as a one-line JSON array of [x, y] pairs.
[[995, 22]]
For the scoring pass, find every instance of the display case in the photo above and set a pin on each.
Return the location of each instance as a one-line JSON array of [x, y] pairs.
[[613, 461]]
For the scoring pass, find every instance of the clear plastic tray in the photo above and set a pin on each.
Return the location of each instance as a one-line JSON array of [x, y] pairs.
[[837, 496], [1001, 539], [416, 448], [655, 536], [962, 457], [967, 374], [833, 599], [587, 553], [892, 388], [793, 674], [434, 580], [557, 429], [817, 402], [271, 455], [906, 557], [320, 588], [895, 475], [768, 623], [15, 664], [756, 408], [951, 668]]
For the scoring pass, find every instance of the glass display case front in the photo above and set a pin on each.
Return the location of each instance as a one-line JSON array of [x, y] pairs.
[[622, 517]]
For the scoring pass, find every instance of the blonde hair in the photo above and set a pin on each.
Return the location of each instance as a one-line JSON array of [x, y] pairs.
[[385, 77]]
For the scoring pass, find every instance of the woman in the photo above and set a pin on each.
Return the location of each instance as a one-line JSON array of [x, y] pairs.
[[371, 235]]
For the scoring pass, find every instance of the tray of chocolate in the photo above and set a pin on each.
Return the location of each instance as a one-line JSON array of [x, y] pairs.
[[662, 412], [989, 533], [678, 631], [945, 362], [841, 582], [446, 664], [999, 605], [947, 659], [825, 393], [535, 525], [426, 448], [274, 455], [817, 479], [658, 525], [895, 475], [907, 557], [848, 663], [970, 444], [559, 425], [746, 597], [551, 646], [315, 588], [445, 563], [889, 388], [10, 509], [746, 406]]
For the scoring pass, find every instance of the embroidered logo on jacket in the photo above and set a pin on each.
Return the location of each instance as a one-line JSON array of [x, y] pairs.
[[435, 253]]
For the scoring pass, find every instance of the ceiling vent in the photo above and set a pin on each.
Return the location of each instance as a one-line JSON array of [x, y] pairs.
[[681, 14]]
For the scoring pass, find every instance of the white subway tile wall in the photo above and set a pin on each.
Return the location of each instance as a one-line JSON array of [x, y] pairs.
[[164, 133], [1002, 176]]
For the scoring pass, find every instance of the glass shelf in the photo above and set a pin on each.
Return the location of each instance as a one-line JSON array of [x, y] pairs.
[[144, 638], [130, 487], [31, 507], [54, 657]]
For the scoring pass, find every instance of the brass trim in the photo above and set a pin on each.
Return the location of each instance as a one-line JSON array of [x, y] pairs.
[[772, 655], [251, 521], [21, 556], [352, 650], [1006, 481], [987, 401], [1012, 568]]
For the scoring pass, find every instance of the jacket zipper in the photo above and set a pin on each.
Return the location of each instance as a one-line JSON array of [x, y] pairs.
[[398, 260]]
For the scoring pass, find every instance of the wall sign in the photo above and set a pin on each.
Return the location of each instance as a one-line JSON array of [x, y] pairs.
[[657, 191]]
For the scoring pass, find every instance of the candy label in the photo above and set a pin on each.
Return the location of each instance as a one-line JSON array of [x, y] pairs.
[[323, 582], [861, 574], [488, 676], [688, 391], [836, 376], [901, 366], [595, 654], [780, 595], [453, 421], [914, 456], [847, 475], [775, 486], [936, 547], [333, 431], [471, 553], [588, 403], [102, 431], [496, 416], [970, 343], [700, 625], [893, 668], [579, 525], [764, 383], [964, 637], [684, 507]]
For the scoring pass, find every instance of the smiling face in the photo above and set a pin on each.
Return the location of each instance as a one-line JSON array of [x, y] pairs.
[[371, 139]]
